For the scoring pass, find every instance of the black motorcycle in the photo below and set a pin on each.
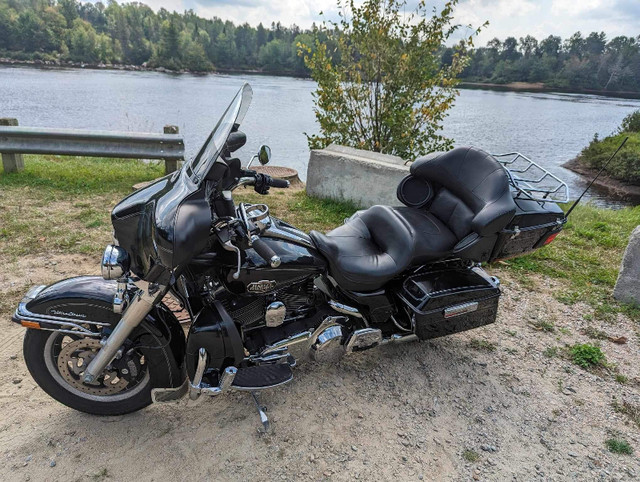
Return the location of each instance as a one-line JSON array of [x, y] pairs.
[[262, 294]]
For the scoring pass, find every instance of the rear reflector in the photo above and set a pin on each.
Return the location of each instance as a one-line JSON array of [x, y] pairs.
[[551, 238], [30, 324]]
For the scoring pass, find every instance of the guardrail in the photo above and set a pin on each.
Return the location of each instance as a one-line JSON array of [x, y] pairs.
[[15, 141]]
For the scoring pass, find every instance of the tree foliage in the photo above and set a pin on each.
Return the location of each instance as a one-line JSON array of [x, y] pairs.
[[383, 87], [133, 34], [579, 62]]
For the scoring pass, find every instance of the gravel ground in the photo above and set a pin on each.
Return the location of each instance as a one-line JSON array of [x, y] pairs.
[[496, 403]]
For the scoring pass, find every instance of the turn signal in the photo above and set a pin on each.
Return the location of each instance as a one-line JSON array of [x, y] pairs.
[[31, 324]]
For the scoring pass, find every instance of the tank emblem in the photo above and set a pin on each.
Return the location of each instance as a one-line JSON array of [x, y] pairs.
[[261, 286]]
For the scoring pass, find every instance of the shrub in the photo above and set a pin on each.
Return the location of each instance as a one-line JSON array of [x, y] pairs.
[[618, 446], [625, 166], [586, 355], [380, 83], [631, 123]]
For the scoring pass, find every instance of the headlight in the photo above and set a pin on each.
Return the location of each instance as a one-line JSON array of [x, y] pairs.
[[115, 262]]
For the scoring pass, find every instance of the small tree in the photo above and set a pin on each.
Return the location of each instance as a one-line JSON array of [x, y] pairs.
[[383, 87]]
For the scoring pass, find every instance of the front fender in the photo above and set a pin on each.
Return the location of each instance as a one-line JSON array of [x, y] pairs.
[[89, 299]]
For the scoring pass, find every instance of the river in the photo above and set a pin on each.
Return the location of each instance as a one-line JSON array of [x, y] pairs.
[[548, 127]]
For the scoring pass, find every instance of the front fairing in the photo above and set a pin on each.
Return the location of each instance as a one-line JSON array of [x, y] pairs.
[[162, 226], [165, 224]]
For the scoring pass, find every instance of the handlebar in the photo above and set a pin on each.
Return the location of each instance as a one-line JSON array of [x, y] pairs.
[[264, 251], [261, 182], [281, 183]]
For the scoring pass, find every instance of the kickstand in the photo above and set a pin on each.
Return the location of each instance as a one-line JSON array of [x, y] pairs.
[[262, 412]]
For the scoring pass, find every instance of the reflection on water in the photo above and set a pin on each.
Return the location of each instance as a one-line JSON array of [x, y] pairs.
[[549, 128]]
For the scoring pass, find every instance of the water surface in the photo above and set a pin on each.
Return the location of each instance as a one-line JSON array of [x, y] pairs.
[[549, 128]]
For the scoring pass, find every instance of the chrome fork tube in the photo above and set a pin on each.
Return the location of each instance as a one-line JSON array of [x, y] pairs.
[[138, 309]]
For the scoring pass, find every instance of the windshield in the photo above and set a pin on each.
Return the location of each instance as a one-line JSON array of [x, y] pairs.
[[234, 115]]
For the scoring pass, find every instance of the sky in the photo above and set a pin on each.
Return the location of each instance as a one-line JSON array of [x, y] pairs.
[[516, 18]]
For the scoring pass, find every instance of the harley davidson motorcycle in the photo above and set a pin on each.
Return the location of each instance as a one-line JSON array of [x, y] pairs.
[[262, 294]]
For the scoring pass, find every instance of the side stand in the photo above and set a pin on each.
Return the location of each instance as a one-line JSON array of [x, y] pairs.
[[262, 412]]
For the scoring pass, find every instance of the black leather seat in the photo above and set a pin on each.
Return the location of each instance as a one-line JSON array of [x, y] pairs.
[[472, 203]]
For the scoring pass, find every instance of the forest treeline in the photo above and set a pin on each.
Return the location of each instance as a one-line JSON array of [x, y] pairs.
[[133, 34]]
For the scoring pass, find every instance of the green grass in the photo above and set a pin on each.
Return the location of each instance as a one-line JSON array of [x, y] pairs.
[[586, 258], [73, 176], [62, 204], [619, 446]]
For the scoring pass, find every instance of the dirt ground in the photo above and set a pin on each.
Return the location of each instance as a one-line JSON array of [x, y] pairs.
[[497, 403]]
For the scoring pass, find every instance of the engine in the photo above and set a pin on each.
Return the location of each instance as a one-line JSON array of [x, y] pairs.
[[291, 303]]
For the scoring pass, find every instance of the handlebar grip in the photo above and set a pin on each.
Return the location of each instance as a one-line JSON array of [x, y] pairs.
[[281, 183], [264, 251]]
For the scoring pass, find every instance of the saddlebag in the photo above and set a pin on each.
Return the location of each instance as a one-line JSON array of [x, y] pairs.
[[449, 301], [534, 225]]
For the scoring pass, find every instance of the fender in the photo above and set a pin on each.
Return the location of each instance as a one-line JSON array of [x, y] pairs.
[[85, 300]]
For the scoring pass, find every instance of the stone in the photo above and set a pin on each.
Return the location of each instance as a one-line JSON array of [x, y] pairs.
[[17, 380], [52, 463], [627, 287], [345, 174]]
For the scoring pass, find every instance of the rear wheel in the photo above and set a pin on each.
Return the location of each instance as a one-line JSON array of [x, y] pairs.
[[57, 362]]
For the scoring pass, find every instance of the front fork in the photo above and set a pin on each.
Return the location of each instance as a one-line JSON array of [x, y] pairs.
[[139, 307]]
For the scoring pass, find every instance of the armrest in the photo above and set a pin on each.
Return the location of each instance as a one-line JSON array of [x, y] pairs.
[[495, 216]]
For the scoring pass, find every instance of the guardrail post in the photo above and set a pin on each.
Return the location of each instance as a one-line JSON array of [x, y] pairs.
[[171, 165], [11, 162]]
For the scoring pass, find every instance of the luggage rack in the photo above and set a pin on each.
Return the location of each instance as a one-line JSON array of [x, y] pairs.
[[530, 180]]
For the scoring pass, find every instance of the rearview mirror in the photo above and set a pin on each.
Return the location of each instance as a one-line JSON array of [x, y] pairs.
[[264, 155]]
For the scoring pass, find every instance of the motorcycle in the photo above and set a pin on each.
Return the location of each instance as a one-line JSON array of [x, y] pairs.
[[262, 295]]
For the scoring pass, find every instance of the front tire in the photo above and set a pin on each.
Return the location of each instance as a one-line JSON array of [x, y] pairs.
[[41, 351]]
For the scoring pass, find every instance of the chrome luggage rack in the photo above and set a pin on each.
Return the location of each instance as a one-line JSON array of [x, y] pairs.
[[529, 180]]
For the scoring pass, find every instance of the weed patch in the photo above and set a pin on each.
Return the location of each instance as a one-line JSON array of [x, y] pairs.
[[483, 345], [586, 355], [619, 446]]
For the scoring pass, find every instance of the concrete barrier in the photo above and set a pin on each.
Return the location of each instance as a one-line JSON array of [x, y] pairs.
[[362, 177], [627, 287]]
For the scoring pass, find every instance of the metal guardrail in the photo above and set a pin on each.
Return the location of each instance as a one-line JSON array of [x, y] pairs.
[[16, 140]]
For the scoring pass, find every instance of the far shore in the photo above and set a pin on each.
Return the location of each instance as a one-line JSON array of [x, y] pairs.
[[614, 188], [510, 87]]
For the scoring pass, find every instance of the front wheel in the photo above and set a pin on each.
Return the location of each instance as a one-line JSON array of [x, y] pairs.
[[57, 362]]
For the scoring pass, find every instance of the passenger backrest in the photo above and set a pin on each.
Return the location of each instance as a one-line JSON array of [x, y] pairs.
[[472, 190]]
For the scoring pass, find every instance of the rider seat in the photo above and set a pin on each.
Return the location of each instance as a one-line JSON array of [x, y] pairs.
[[472, 203]]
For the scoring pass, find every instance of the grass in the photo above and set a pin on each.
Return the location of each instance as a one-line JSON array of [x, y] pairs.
[[542, 325], [586, 258], [470, 455], [62, 205], [619, 446], [630, 410], [586, 355], [483, 345]]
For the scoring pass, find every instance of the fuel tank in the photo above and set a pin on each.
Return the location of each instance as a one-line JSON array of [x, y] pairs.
[[300, 260]]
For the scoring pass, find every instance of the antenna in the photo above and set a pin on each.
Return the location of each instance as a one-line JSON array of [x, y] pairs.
[[597, 176]]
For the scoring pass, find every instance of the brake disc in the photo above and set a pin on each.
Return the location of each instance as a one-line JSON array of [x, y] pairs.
[[73, 360]]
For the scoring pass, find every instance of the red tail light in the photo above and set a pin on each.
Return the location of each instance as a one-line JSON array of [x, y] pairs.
[[551, 238]]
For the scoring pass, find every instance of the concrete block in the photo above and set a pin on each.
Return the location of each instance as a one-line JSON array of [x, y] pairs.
[[627, 287], [362, 177]]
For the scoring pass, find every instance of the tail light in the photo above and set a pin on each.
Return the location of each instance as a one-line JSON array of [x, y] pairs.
[[551, 238]]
